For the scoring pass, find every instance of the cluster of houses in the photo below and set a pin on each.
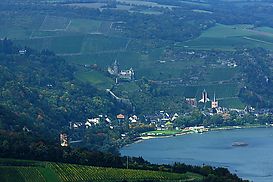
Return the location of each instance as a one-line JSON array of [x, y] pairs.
[[214, 107], [231, 63], [254, 112], [162, 120], [90, 122]]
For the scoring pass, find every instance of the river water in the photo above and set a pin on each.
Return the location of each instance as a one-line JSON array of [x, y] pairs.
[[253, 162]]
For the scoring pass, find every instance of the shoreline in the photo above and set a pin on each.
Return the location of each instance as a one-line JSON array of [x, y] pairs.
[[235, 145], [143, 138]]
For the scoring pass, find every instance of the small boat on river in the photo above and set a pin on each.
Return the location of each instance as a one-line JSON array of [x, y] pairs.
[[239, 144]]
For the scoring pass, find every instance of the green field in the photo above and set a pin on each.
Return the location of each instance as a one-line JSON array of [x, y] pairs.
[[196, 3], [31, 171], [101, 43], [221, 74], [222, 90], [19, 27], [47, 34], [228, 37], [88, 5], [162, 132], [69, 43], [125, 7], [232, 103], [144, 3], [64, 26], [53, 23], [265, 29], [60, 45], [126, 59], [84, 26], [95, 78]]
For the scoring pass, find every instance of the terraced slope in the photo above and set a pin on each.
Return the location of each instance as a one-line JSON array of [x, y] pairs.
[[32, 171]]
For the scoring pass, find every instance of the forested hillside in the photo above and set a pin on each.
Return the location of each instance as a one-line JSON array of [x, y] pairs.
[[176, 48], [40, 95], [257, 68]]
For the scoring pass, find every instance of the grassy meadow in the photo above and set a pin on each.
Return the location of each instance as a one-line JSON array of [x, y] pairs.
[[95, 78], [161, 132], [228, 37]]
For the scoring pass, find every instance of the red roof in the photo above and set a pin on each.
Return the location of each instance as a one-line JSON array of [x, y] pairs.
[[120, 116]]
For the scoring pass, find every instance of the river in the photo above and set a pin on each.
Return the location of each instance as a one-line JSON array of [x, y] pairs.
[[253, 162]]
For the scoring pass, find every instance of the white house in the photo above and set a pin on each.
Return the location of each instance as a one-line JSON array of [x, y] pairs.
[[91, 122], [22, 52]]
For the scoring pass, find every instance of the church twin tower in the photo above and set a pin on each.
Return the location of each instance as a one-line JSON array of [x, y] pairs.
[[205, 99]]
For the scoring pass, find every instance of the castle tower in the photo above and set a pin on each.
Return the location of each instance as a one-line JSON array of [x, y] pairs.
[[64, 140], [132, 73], [115, 67]]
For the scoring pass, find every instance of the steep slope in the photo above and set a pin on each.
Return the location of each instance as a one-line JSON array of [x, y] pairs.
[[31, 171], [39, 94]]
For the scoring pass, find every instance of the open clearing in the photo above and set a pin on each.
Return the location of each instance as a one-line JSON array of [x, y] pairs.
[[144, 3], [54, 23], [84, 26], [228, 37], [95, 78], [88, 5]]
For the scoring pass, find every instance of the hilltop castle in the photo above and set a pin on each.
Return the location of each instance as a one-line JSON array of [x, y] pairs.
[[125, 75]]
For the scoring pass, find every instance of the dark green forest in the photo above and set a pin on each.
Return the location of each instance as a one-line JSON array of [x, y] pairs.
[[40, 94]]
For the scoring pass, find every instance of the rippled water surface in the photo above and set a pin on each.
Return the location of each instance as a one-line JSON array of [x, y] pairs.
[[254, 161]]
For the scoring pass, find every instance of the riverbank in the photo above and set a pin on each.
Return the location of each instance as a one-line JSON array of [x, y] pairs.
[[168, 134], [239, 127], [245, 151]]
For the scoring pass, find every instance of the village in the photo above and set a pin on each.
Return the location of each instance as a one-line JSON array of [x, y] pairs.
[[162, 123], [206, 112]]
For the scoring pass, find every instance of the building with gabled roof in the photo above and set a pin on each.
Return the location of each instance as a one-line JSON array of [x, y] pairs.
[[120, 116]]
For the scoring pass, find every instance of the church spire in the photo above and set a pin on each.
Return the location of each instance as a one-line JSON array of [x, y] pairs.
[[214, 98]]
